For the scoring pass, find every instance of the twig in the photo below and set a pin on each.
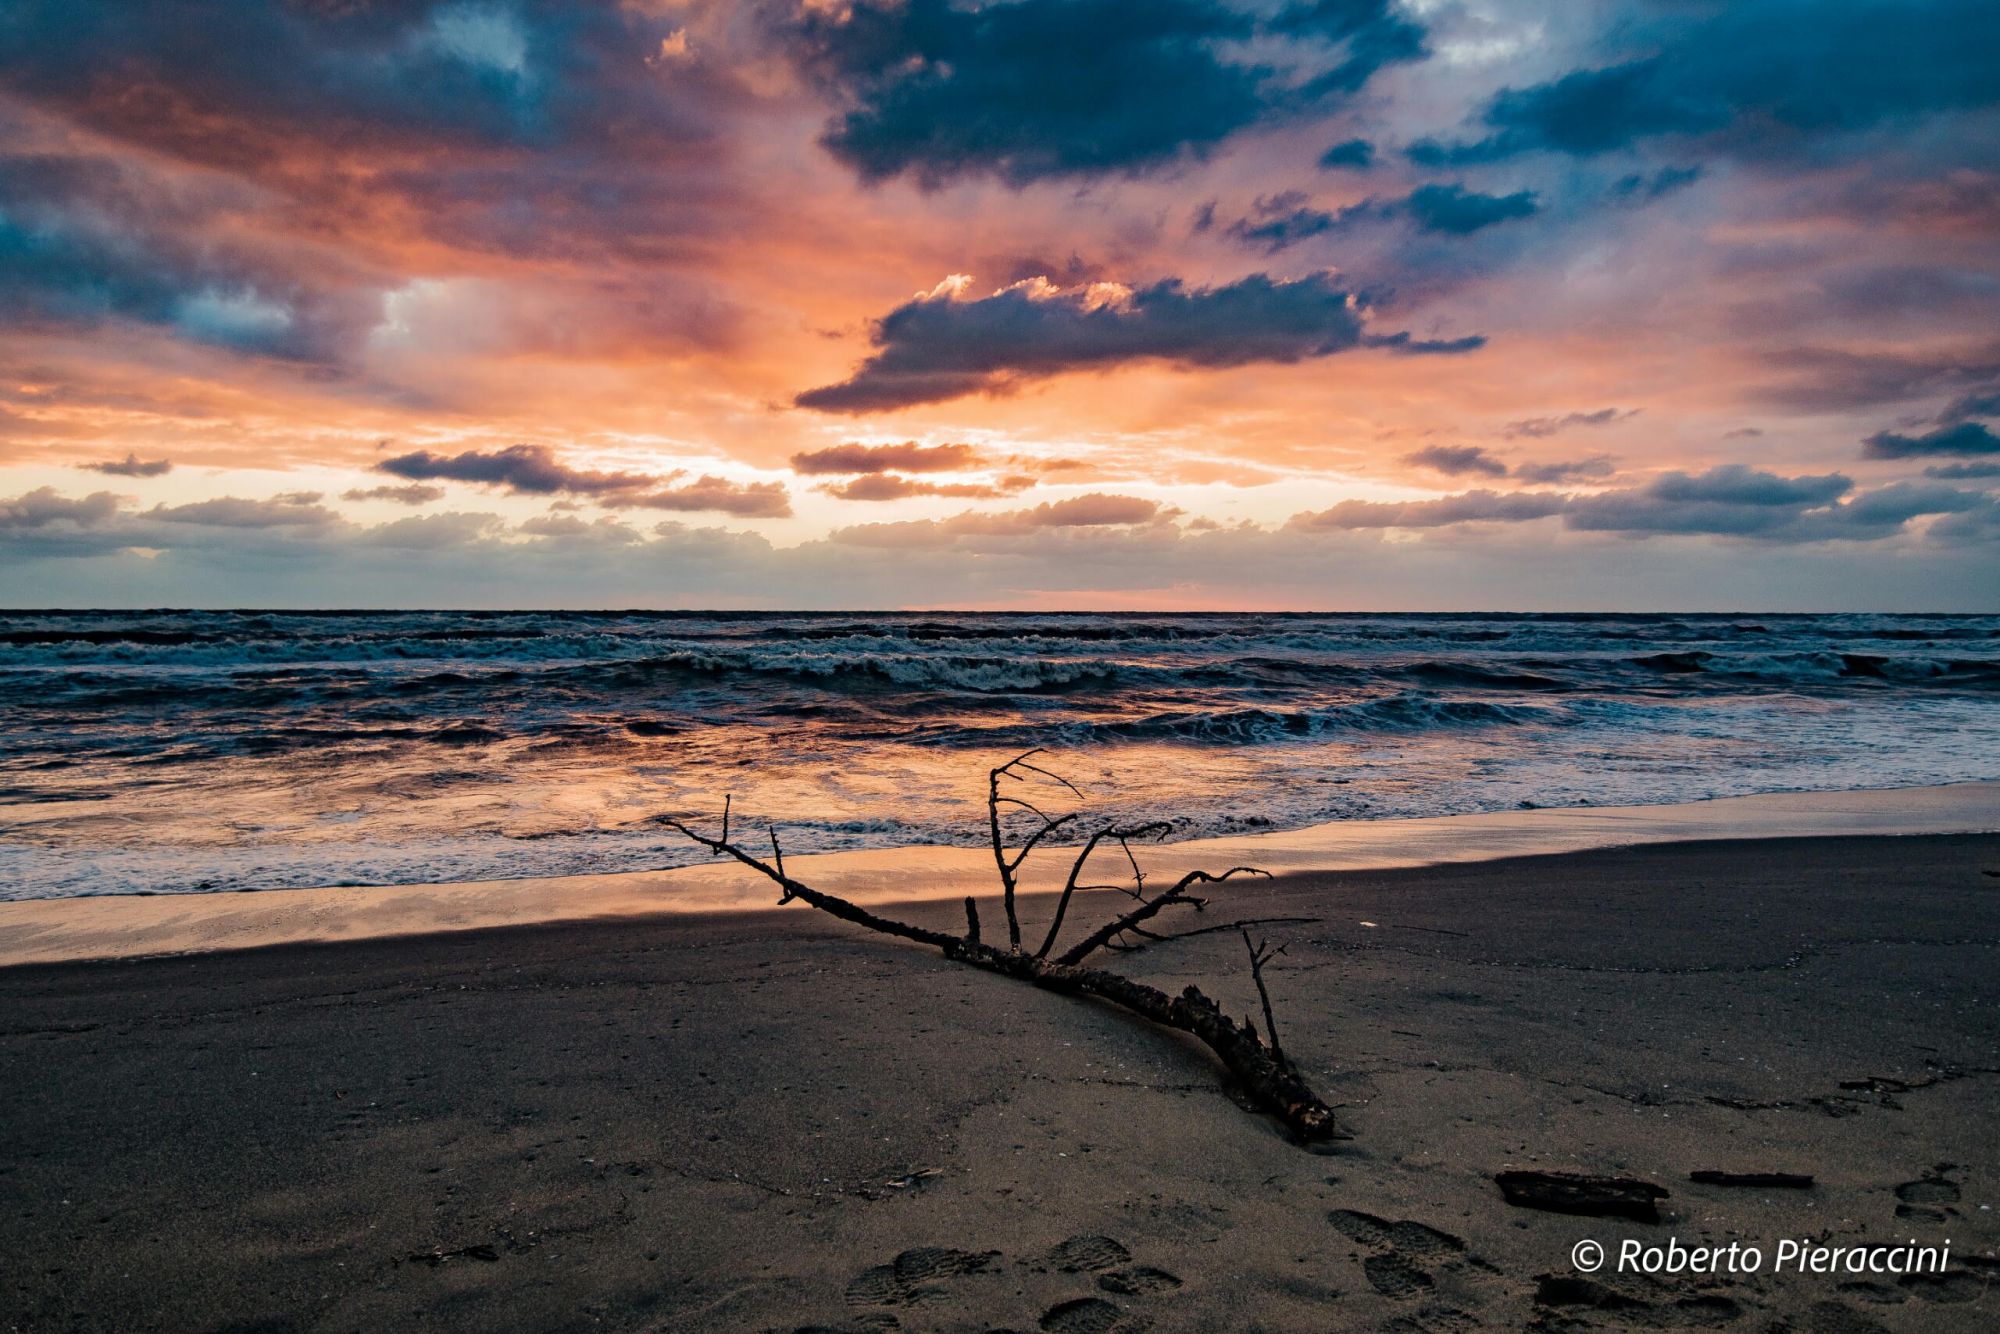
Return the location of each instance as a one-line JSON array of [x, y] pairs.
[[1155, 938], [1076, 869], [971, 920], [778, 854], [1150, 908], [1009, 866], [1261, 954]]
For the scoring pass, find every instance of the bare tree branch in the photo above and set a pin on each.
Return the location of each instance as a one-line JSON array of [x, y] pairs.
[[827, 903], [1155, 938], [1008, 867], [1264, 1075], [1019, 762], [1148, 909], [1261, 954], [1076, 869], [778, 854]]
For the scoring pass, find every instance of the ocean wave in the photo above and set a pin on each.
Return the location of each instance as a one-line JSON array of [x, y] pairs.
[[1413, 711], [1826, 665]]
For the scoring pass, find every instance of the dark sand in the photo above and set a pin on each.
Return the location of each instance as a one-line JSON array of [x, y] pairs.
[[742, 1122]]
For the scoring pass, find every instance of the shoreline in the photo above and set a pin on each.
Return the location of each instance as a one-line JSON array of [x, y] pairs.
[[126, 926], [777, 1121]]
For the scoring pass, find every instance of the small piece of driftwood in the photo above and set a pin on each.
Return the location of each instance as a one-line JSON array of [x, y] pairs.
[[1754, 1180], [1595, 1197]]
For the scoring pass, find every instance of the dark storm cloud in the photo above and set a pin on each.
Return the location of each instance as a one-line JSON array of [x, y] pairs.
[[1471, 507], [1030, 89], [455, 72], [909, 456], [529, 128], [1728, 501], [1566, 470], [299, 510], [532, 469], [84, 240], [936, 348], [1757, 78], [1407, 342], [1457, 211], [1457, 460], [1965, 406], [131, 466], [1962, 472], [1825, 379], [1731, 499], [1351, 155], [1886, 509], [1369, 33], [1277, 222], [45, 507], [1968, 438]]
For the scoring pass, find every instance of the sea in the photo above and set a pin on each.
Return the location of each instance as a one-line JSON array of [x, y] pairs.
[[176, 752]]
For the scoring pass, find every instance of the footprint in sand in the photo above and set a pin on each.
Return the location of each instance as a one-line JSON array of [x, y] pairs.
[[1396, 1272], [1435, 1320], [1110, 1261], [1405, 1254], [1928, 1196], [1090, 1315], [911, 1276], [1081, 1255], [1394, 1275], [1833, 1318], [1952, 1287], [1659, 1309], [1138, 1281], [1364, 1228]]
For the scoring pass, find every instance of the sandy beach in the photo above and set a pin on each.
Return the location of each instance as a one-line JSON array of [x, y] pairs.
[[774, 1121]]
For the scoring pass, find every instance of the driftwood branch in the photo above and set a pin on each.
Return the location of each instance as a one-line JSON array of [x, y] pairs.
[[1262, 1070]]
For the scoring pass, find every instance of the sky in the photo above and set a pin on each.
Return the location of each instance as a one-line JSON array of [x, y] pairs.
[[1151, 304]]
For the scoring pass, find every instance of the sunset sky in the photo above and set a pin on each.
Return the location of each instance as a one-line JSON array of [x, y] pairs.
[[1037, 303]]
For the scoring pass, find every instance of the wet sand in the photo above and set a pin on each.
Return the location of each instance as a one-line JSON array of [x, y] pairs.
[[775, 1121], [126, 925]]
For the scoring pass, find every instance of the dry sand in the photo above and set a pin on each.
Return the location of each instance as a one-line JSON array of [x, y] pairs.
[[773, 1121]]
